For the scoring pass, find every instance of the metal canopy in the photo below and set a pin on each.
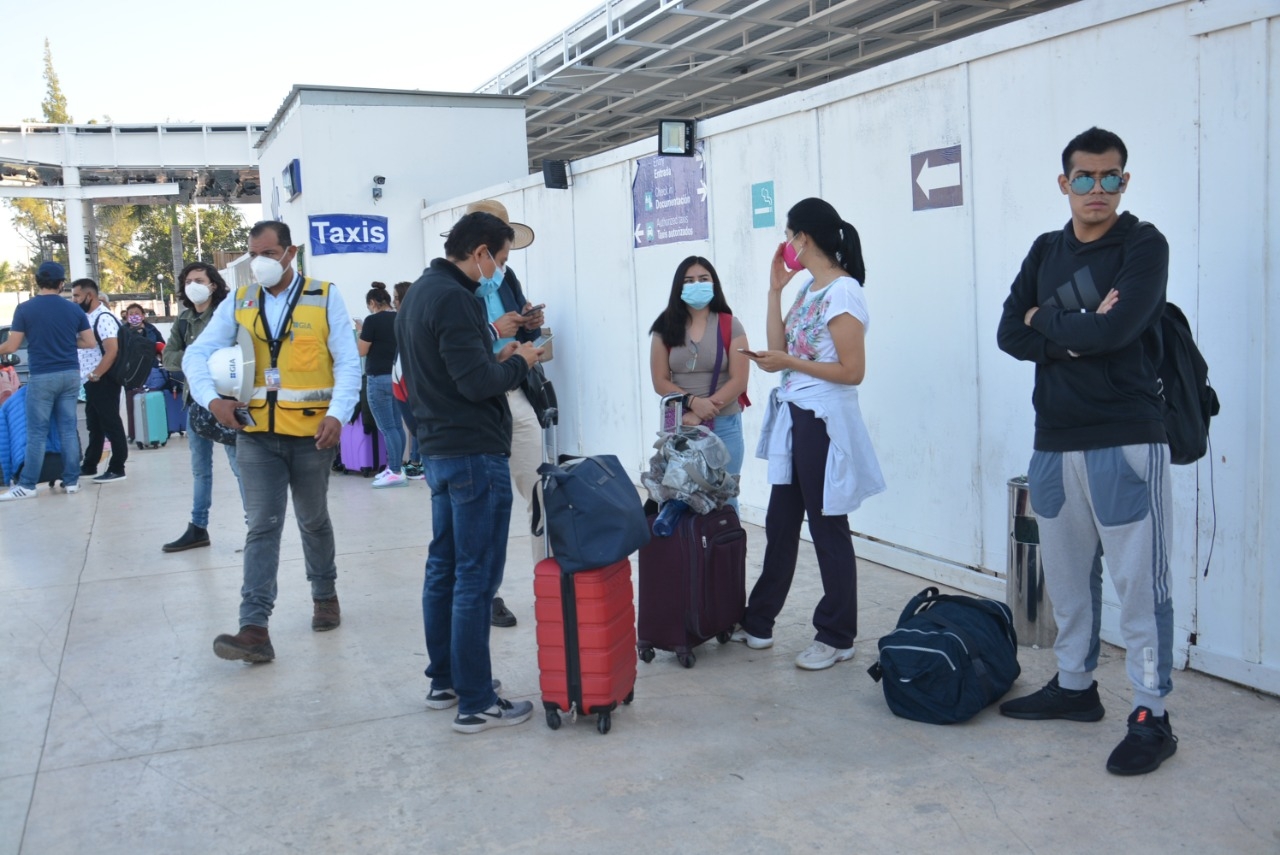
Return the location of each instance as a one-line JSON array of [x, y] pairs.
[[606, 79]]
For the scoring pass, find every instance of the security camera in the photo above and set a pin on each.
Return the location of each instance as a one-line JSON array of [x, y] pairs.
[[379, 179]]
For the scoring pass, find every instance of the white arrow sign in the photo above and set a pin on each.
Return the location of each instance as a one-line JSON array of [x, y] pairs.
[[639, 233], [702, 190], [931, 178]]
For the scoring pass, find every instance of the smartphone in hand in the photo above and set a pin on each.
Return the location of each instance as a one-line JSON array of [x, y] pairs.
[[533, 310], [753, 354], [543, 340]]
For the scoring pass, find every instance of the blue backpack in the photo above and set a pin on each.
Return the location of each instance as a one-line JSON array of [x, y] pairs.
[[950, 657]]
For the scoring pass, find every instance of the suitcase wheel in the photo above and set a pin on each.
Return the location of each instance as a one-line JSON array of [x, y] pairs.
[[141, 445], [646, 654], [631, 696], [553, 719], [366, 471], [723, 637], [686, 659], [603, 722]]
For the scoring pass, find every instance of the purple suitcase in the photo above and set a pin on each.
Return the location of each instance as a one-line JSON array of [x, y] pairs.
[[361, 453], [693, 584]]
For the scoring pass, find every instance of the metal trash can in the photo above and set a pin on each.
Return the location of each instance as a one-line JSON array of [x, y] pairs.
[[1024, 578]]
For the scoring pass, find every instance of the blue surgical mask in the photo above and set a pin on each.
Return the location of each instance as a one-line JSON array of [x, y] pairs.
[[697, 295], [489, 284]]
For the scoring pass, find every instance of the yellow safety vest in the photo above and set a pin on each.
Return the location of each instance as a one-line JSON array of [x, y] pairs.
[[304, 361]]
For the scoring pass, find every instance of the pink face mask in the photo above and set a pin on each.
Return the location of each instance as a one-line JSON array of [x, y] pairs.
[[790, 257]]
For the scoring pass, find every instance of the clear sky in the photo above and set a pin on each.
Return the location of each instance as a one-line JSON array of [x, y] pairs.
[[232, 60]]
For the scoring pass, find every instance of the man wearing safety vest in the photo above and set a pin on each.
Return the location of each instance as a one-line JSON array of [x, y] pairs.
[[306, 386]]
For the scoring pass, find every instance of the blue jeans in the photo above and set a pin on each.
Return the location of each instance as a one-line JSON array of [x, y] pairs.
[[51, 396], [406, 411], [271, 467], [202, 476], [385, 412], [729, 429], [470, 512]]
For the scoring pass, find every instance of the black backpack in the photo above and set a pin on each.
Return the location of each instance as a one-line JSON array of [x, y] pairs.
[[135, 357], [1189, 400], [950, 657]]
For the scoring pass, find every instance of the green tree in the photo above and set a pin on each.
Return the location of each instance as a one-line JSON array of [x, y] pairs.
[[221, 228], [35, 219], [54, 105], [10, 280]]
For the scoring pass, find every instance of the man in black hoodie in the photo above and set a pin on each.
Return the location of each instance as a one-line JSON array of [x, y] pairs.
[[457, 387], [1085, 308]]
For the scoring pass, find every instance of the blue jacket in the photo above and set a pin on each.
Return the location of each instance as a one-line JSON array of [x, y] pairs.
[[13, 435]]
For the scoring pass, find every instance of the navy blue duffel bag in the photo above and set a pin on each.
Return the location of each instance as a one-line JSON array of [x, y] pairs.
[[950, 657], [592, 511]]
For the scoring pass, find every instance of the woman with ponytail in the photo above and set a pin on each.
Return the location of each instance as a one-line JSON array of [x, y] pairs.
[[821, 461]]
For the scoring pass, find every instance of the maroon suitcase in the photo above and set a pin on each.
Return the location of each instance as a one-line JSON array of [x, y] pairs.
[[693, 585]]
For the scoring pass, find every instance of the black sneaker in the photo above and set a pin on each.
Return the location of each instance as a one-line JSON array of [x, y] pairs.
[[443, 699], [1053, 701], [502, 616], [502, 714], [1149, 743], [109, 477]]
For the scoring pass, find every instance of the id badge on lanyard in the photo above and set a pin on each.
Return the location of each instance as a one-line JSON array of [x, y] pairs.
[[272, 376]]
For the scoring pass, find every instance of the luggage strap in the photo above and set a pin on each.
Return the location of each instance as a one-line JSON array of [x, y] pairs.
[[979, 664]]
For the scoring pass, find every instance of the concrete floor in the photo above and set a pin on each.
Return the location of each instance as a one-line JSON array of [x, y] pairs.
[[123, 733]]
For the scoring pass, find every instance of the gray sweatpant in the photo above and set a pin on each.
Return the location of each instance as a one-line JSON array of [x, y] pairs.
[[1113, 501]]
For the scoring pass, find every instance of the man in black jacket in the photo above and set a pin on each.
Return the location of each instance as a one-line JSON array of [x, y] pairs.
[[1086, 308], [458, 386], [513, 318]]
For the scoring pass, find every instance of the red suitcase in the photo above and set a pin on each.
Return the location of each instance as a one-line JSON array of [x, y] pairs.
[[586, 631], [693, 584]]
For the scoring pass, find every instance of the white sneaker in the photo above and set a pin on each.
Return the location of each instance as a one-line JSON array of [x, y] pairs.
[[387, 478], [742, 636], [72, 488], [17, 491], [817, 656]]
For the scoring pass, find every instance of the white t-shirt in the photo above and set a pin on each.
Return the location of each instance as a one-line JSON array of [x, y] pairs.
[[806, 326], [106, 325]]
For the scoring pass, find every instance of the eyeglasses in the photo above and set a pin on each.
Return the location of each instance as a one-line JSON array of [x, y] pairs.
[[1082, 184]]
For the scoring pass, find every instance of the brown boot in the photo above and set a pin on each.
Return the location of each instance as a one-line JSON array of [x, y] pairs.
[[326, 615], [251, 643]]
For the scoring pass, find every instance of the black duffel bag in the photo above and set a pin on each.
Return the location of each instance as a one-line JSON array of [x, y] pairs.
[[592, 512], [950, 657]]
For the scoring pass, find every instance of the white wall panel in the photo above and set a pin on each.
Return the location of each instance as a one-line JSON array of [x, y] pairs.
[[919, 397]]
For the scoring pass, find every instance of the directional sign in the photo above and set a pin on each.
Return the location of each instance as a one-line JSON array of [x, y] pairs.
[[935, 179], [669, 200], [762, 205]]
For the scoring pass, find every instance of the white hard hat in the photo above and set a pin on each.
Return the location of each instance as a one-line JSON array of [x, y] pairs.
[[232, 370]]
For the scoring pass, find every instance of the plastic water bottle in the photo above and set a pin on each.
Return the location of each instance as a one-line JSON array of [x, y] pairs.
[[668, 518]]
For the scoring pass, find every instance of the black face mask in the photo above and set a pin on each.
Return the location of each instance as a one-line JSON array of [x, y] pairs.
[[85, 306]]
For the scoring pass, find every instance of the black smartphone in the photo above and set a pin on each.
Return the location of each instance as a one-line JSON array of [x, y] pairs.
[[533, 310]]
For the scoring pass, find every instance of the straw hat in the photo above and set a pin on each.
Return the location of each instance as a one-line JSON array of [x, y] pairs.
[[524, 234]]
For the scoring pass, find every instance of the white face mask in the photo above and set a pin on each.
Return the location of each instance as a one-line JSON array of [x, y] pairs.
[[267, 271], [198, 292]]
